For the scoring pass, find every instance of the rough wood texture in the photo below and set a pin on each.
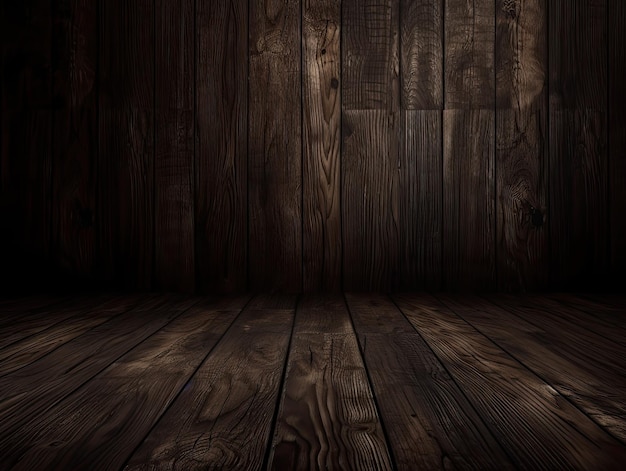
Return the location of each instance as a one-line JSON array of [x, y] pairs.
[[321, 133], [616, 12], [221, 166], [125, 235], [274, 147], [469, 54], [209, 426], [370, 55], [428, 419], [75, 135], [174, 145], [420, 201], [556, 434], [578, 146], [125, 400], [370, 200], [521, 158], [595, 391], [421, 46], [328, 418], [468, 199]]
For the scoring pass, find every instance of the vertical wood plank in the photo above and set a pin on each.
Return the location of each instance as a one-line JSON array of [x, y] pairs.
[[421, 46], [370, 54], [26, 144], [126, 142], [521, 144], [370, 136], [420, 169], [174, 152], [578, 151], [617, 138], [468, 146], [420, 206], [221, 167], [75, 131], [321, 34], [275, 147], [370, 210]]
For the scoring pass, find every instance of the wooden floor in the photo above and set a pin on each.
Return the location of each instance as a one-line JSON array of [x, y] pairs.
[[359, 381]]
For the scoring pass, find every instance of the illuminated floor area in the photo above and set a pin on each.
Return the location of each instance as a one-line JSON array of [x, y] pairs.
[[355, 381]]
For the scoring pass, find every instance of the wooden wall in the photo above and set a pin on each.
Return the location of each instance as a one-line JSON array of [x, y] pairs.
[[289, 145]]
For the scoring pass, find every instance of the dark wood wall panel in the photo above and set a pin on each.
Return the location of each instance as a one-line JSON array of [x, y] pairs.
[[26, 137], [221, 162], [275, 147], [468, 145], [327, 145], [321, 134], [75, 135], [616, 12], [578, 148], [125, 222], [521, 63], [174, 145]]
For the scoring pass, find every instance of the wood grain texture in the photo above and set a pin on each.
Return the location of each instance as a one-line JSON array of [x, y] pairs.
[[542, 430], [125, 236], [469, 54], [594, 390], [275, 147], [174, 145], [428, 420], [327, 417], [616, 13], [420, 206], [521, 144], [45, 382], [221, 166], [370, 199], [610, 309], [578, 147], [370, 55], [75, 135], [209, 424], [321, 134], [468, 199], [125, 400], [421, 46]]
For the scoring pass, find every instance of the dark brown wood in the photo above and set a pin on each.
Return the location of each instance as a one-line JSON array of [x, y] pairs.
[[75, 135], [428, 419], [541, 429], [468, 199], [578, 146], [370, 206], [595, 391], [521, 144], [328, 418], [275, 147], [45, 382], [469, 54], [610, 309], [174, 145], [616, 13], [125, 400], [420, 201], [321, 134], [370, 55], [221, 164], [421, 58], [209, 426], [125, 235]]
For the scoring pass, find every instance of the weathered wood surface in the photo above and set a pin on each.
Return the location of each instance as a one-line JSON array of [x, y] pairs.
[[328, 418]]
